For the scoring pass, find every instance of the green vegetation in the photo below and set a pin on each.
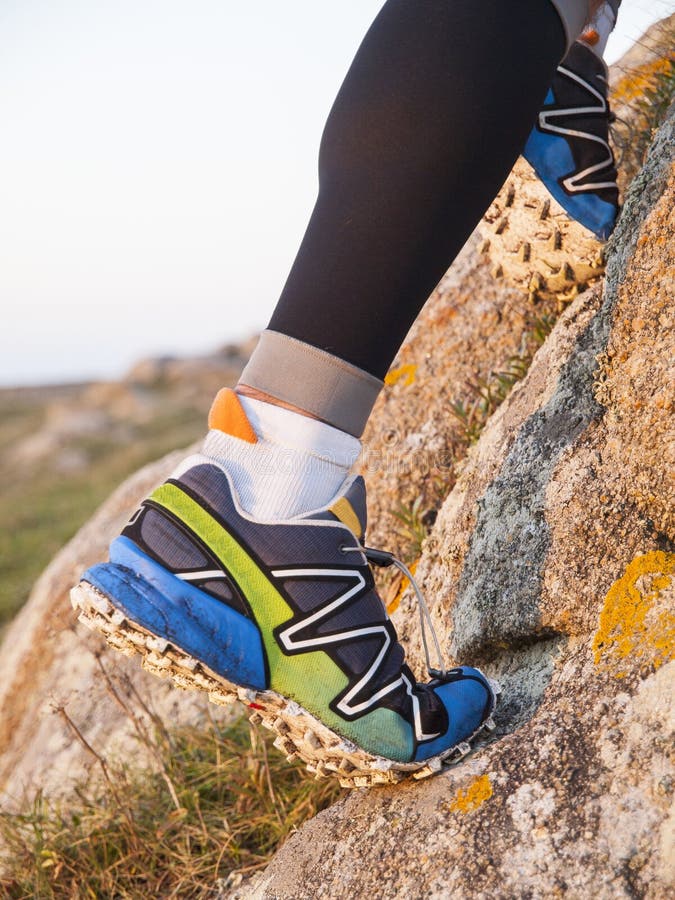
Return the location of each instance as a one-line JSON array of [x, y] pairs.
[[472, 411], [484, 395], [213, 801], [41, 508], [413, 527], [217, 803]]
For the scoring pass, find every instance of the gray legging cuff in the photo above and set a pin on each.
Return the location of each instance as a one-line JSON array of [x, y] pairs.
[[574, 15], [315, 381]]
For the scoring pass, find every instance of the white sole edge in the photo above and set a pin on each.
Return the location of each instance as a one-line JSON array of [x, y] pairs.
[[300, 735]]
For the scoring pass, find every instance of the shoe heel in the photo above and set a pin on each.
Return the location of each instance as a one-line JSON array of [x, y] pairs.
[[172, 610]]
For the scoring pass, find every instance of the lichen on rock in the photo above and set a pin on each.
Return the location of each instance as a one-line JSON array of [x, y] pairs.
[[550, 564], [637, 622]]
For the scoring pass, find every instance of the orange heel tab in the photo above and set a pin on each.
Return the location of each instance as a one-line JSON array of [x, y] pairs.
[[227, 414]]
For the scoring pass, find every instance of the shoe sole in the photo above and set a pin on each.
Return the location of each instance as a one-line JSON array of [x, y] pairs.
[[300, 735], [533, 243]]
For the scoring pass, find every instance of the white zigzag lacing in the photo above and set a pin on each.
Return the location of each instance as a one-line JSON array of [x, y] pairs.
[[573, 182], [290, 642]]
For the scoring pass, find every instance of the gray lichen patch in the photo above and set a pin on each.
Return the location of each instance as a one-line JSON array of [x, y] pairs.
[[562, 591], [500, 586]]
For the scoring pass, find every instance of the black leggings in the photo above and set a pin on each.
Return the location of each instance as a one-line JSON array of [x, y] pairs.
[[431, 117]]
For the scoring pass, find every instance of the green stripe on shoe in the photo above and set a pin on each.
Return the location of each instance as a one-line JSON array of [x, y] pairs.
[[291, 675]]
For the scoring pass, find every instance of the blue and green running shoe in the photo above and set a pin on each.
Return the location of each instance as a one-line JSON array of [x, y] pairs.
[[569, 147], [285, 617]]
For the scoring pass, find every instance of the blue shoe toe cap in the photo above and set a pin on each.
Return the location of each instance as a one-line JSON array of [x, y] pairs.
[[469, 701]]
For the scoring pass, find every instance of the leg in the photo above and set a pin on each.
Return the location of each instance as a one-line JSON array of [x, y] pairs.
[[247, 568], [428, 124]]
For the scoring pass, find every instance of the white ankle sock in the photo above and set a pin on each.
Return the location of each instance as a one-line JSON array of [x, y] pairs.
[[601, 26], [297, 465]]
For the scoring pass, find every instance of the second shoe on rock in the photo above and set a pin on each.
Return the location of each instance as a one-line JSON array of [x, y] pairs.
[[569, 147]]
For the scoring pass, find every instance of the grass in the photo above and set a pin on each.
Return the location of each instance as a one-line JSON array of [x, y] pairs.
[[40, 509], [216, 805], [215, 801], [485, 395], [413, 527]]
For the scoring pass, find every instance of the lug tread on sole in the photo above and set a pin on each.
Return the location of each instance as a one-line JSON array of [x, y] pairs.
[[300, 735], [531, 242]]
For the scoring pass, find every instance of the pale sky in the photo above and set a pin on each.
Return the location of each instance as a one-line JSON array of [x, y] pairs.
[[157, 168]]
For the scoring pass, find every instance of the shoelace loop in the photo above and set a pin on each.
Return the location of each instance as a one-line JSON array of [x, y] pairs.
[[384, 559]]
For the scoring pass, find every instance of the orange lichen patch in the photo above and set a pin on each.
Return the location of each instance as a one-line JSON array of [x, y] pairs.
[[469, 799], [634, 626], [405, 374], [400, 584], [634, 85]]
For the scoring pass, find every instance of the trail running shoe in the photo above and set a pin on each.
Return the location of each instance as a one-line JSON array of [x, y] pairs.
[[285, 617], [569, 146]]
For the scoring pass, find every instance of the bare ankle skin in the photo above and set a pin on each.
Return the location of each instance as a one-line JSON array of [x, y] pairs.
[[255, 394]]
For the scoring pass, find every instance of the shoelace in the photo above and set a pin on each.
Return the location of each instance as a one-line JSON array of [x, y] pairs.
[[384, 559]]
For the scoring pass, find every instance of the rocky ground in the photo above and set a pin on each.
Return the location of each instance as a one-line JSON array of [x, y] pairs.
[[521, 456], [550, 564]]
